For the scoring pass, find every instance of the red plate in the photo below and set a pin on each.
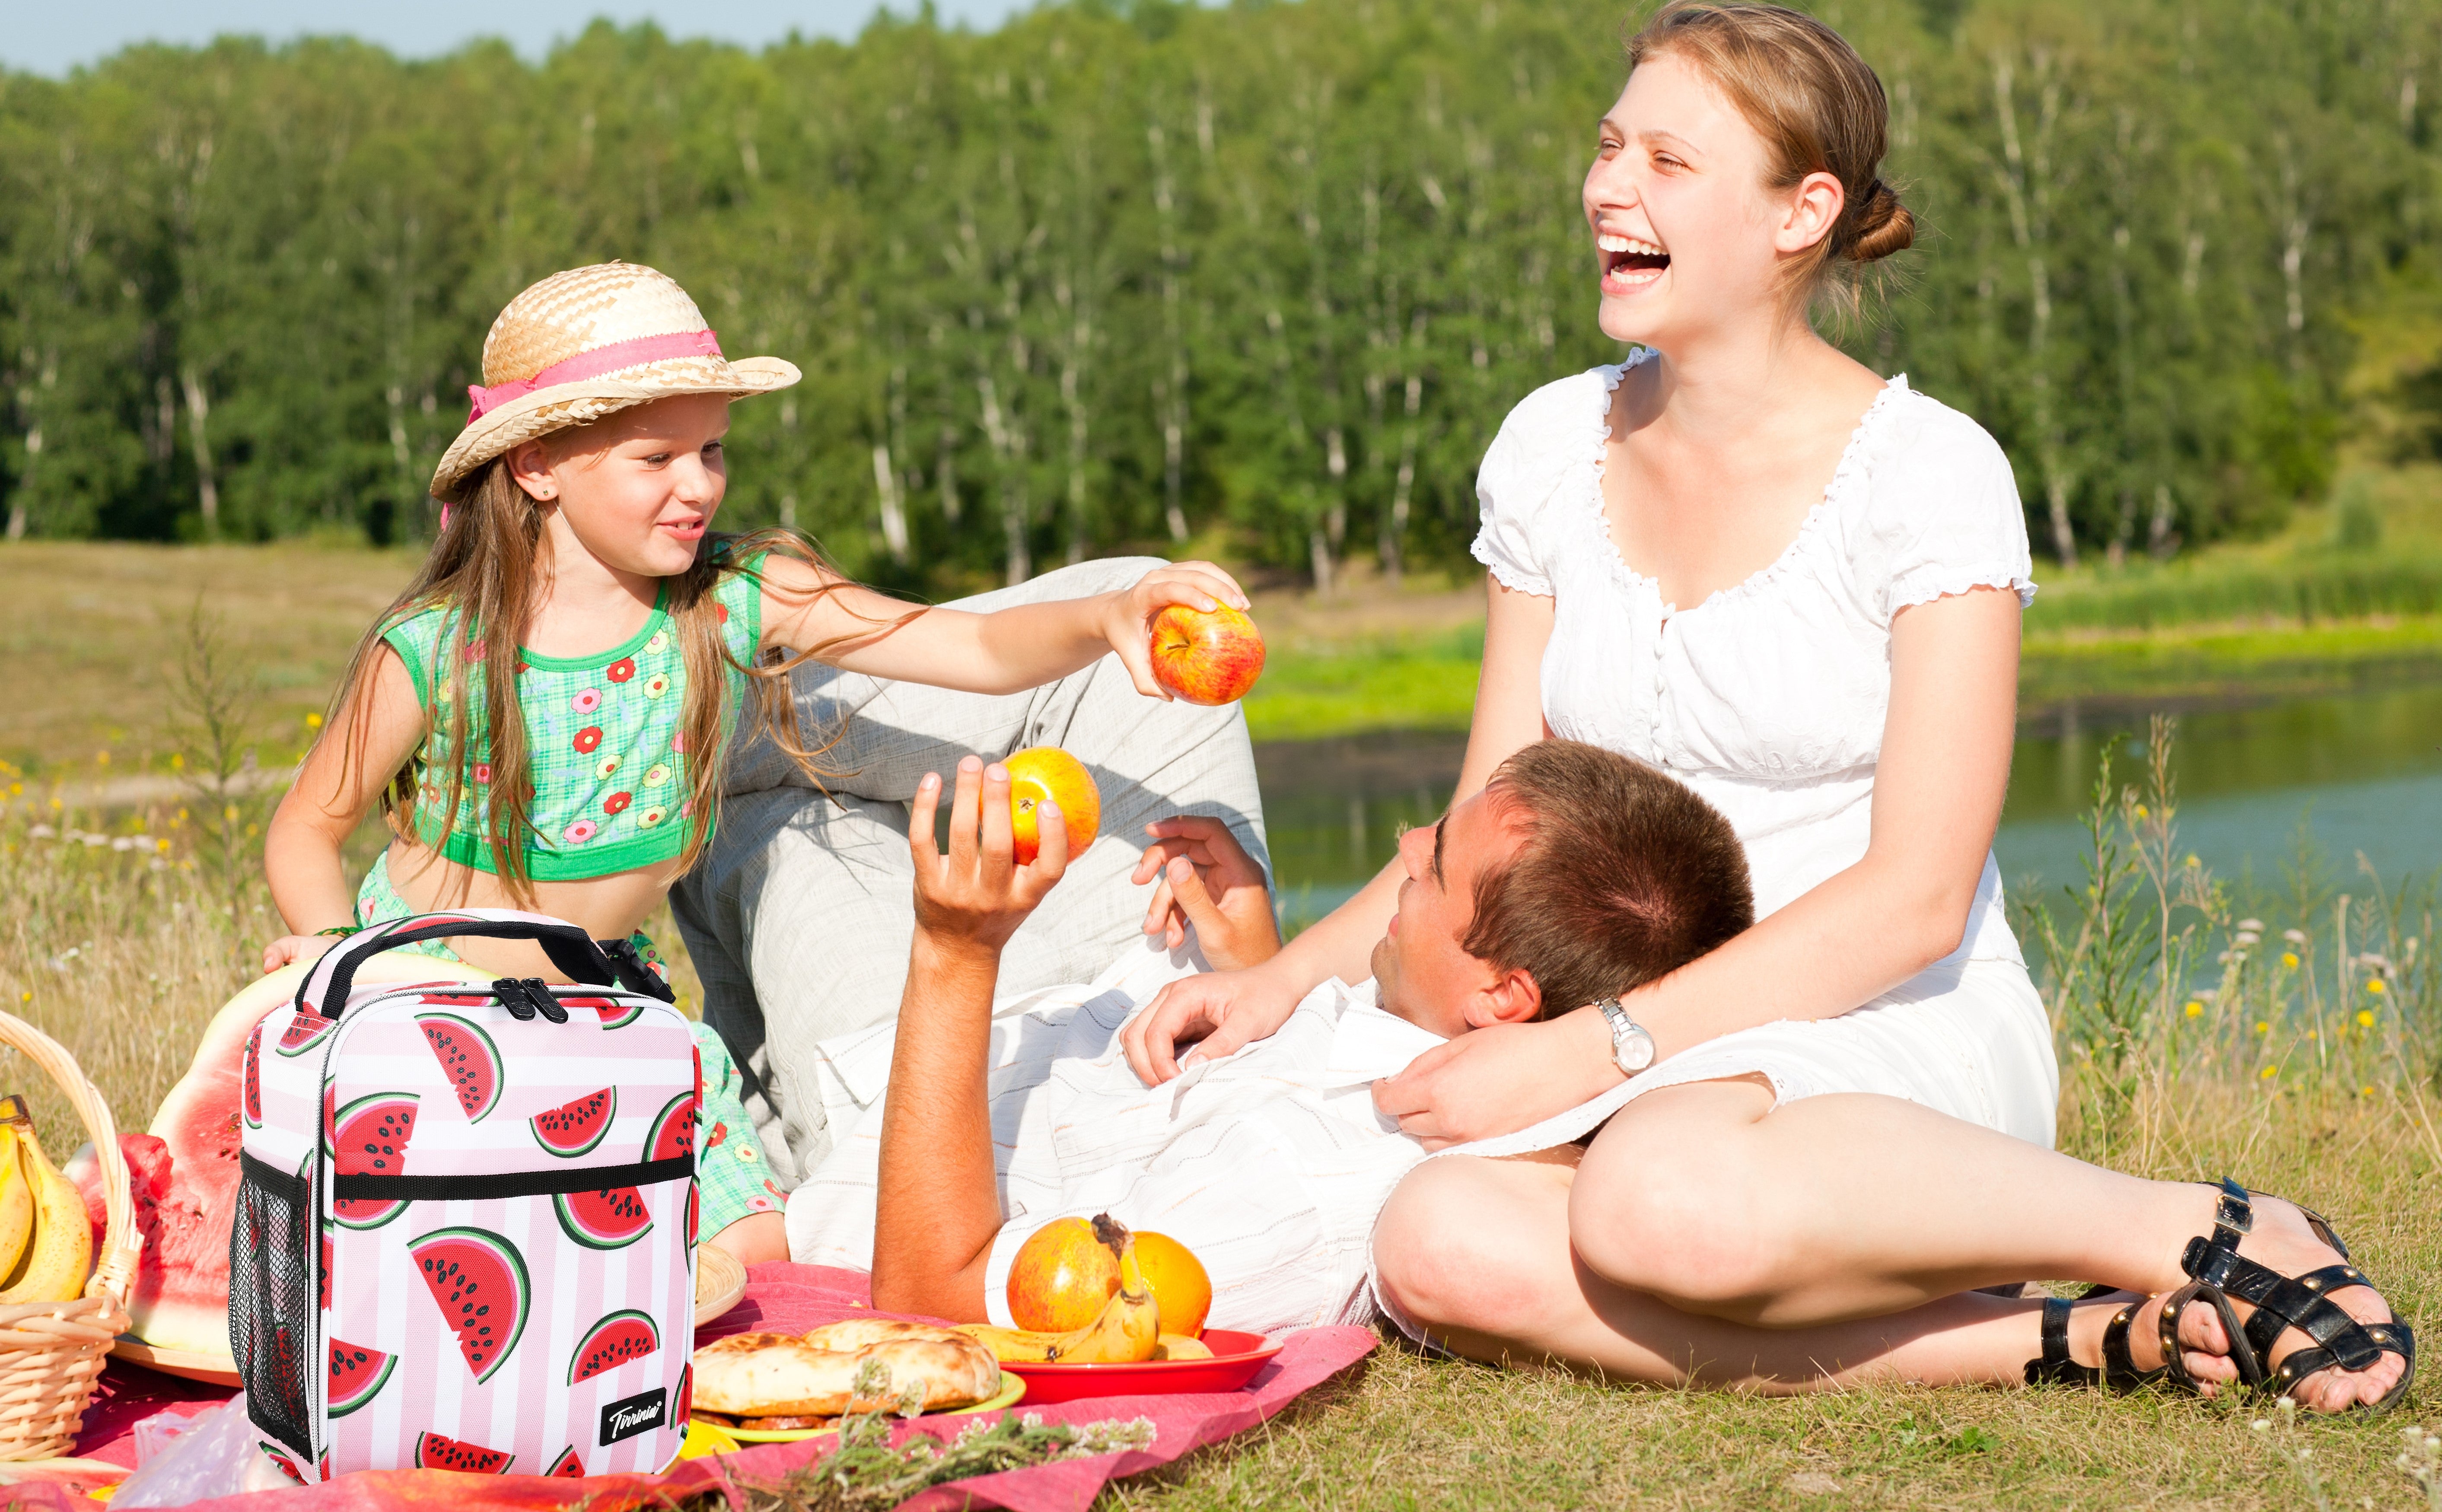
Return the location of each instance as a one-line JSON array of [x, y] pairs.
[[1236, 1357]]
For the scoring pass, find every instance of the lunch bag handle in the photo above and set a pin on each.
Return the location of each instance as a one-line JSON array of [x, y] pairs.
[[573, 951]]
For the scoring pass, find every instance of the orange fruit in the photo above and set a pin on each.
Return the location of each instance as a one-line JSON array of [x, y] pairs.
[[1182, 1290], [1046, 772]]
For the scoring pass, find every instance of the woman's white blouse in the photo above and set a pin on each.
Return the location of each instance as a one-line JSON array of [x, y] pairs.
[[1768, 698]]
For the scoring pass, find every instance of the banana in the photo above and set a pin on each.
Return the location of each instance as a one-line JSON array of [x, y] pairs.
[[1178, 1346], [16, 1203], [1016, 1345], [1129, 1327], [54, 1265]]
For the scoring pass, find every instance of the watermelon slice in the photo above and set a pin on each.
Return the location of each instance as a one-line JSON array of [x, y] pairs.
[[304, 1031], [371, 1141], [327, 1226], [610, 1219], [468, 1058], [250, 1100], [435, 1452], [574, 1128], [478, 1280], [568, 1465], [623, 1335], [358, 1376], [613, 1014], [279, 1457], [685, 1395], [673, 1132], [185, 1169]]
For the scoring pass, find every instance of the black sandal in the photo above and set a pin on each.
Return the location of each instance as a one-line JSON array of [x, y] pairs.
[[2282, 1303], [2118, 1369]]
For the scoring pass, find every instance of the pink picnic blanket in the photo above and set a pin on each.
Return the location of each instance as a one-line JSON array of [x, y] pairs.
[[780, 1298]]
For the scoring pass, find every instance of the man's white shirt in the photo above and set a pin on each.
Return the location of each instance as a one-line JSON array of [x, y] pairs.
[[1271, 1164]]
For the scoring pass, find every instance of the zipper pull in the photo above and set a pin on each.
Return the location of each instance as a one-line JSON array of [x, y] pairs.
[[512, 994], [539, 992]]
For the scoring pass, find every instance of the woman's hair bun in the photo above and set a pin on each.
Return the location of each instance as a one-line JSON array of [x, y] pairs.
[[1878, 225]]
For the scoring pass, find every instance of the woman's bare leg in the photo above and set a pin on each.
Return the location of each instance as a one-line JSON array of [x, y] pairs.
[[1847, 1207], [1477, 1253]]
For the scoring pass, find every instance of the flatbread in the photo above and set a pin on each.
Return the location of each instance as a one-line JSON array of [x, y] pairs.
[[856, 1333], [782, 1376], [772, 1376]]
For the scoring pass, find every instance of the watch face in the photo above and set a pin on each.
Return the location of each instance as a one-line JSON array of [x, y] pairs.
[[1637, 1053]]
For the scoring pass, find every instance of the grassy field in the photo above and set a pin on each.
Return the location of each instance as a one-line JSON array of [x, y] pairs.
[[125, 925]]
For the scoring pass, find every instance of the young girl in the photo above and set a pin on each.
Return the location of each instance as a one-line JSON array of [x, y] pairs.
[[578, 560]]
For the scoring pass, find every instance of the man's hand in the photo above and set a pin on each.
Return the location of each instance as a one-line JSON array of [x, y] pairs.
[[1208, 1015], [1127, 618], [1499, 1079], [1203, 876], [977, 895]]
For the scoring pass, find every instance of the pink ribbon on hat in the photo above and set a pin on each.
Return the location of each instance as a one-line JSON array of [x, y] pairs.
[[585, 365], [594, 364]]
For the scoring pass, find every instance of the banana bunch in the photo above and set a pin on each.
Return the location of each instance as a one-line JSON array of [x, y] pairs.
[[1127, 1330], [46, 1239]]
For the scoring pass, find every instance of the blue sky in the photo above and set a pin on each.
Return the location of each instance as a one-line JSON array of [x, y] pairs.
[[48, 37]]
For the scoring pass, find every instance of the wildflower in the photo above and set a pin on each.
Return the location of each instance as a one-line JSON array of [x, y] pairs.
[[2250, 923], [2375, 986], [2295, 937], [2193, 861], [2196, 1009], [2140, 811], [2289, 958], [313, 721], [2366, 1090], [101, 758], [2261, 1027], [2366, 1017], [2270, 1072], [2245, 936]]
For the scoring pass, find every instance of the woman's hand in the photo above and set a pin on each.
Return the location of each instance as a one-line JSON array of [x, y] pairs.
[[1499, 1079], [1203, 876], [1208, 1015], [977, 895], [1127, 618], [289, 948]]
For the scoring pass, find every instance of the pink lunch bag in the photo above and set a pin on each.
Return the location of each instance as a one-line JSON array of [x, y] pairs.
[[466, 1224]]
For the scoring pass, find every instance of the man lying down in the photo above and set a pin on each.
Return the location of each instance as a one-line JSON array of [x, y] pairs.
[[1576, 875]]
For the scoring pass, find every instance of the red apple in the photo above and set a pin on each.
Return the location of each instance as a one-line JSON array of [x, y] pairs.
[[1206, 656]]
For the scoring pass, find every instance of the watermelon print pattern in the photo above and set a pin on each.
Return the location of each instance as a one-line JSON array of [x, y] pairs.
[[252, 1099], [626, 1335], [468, 1058], [306, 1031], [438, 1451], [613, 1218], [576, 1127], [371, 1141], [430, 1079], [358, 1376], [479, 1282], [673, 1129]]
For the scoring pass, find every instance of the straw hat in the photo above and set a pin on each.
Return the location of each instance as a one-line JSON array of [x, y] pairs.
[[583, 344]]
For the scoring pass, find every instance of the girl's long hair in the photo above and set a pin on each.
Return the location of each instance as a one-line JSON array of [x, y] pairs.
[[481, 570]]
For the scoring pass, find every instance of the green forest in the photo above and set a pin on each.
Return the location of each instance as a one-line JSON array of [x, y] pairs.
[[1128, 272]]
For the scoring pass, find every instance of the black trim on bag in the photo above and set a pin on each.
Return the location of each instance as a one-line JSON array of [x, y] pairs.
[[507, 1183]]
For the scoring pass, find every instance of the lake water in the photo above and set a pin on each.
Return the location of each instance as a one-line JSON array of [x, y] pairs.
[[2357, 775]]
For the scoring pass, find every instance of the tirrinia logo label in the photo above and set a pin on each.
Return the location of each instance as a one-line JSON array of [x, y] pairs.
[[640, 1414]]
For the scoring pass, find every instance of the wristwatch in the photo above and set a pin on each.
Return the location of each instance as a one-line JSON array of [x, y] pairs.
[[1631, 1044]]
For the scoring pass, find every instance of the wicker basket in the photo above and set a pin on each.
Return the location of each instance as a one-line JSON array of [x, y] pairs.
[[52, 1353]]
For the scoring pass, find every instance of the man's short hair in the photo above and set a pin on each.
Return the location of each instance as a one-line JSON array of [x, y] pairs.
[[1625, 875]]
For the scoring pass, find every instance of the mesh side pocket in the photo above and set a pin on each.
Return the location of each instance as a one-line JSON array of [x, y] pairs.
[[273, 1298]]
